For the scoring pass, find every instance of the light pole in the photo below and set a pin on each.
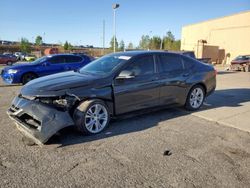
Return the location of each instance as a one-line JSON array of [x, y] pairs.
[[114, 6], [103, 37]]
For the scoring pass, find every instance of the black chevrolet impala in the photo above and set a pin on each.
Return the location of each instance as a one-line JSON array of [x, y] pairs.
[[112, 85]]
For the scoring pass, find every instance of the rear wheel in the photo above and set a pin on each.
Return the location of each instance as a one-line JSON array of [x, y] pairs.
[[195, 98], [91, 117], [246, 68], [28, 77]]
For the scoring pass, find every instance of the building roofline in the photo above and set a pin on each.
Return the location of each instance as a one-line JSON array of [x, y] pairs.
[[213, 19]]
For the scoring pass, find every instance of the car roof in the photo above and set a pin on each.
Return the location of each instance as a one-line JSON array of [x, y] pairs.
[[143, 52], [53, 55]]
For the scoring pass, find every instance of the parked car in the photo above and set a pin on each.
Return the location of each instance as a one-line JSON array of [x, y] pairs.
[[20, 55], [29, 57], [7, 60], [109, 86], [241, 62], [23, 73], [10, 55]]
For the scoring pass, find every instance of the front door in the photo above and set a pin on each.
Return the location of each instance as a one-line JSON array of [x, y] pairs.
[[139, 92]]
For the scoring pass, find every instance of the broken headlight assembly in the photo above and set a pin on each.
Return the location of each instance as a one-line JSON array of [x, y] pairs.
[[63, 102]]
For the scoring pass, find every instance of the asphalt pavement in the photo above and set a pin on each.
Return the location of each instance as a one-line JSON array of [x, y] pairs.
[[166, 148]]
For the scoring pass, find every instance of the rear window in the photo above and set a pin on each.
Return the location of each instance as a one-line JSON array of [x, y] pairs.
[[188, 63], [73, 59], [57, 59], [170, 62]]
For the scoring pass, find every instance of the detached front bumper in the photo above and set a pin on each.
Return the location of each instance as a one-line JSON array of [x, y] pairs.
[[36, 120]]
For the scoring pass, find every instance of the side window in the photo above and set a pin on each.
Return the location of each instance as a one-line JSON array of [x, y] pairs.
[[188, 63], [57, 60], [170, 62], [73, 59], [142, 66]]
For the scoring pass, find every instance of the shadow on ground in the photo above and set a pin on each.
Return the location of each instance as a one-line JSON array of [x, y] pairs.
[[140, 122], [226, 72]]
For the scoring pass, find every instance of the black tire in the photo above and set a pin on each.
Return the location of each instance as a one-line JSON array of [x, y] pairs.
[[189, 103], [9, 63], [81, 118], [28, 77]]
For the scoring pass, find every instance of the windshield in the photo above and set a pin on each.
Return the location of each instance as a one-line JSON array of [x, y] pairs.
[[40, 60], [104, 65]]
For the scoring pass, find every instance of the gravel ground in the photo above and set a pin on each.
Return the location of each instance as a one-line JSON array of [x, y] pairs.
[[167, 148]]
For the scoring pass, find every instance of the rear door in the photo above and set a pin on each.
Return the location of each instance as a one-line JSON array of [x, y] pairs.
[[139, 92], [172, 77]]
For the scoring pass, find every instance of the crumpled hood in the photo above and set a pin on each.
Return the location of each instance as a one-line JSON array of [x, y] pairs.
[[54, 84]]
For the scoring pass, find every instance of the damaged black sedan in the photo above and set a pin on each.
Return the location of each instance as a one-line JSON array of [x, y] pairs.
[[112, 85]]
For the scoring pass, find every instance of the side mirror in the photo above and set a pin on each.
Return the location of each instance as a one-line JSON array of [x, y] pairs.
[[125, 74]]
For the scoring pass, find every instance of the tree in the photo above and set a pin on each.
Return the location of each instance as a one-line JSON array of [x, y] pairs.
[[122, 45], [39, 40], [70, 46], [176, 45], [144, 42], [112, 43], [168, 41], [155, 43], [130, 46], [25, 45], [66, 45]]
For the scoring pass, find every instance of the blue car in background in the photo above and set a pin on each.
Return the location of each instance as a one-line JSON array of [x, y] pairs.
[[23, 73]]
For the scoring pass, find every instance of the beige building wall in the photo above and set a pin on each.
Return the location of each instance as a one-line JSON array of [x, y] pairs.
[[229, 33]]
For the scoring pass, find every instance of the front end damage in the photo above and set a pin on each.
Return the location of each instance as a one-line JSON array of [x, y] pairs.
[[41, 117]]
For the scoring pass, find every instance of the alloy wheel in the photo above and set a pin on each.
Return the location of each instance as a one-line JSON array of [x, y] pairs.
[[196, 98], [96, 118]]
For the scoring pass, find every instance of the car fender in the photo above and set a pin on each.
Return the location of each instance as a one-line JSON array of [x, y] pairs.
[[104, 93]]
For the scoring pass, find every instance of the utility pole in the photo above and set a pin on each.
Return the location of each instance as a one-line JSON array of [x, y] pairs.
[[103, 36]]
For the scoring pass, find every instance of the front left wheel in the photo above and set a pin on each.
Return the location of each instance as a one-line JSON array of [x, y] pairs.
[[28, 77], [92, 116]]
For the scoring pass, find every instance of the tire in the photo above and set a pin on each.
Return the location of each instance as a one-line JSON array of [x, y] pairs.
[[195, 98], [9, 63], [248, 68], [87, 118], [28, 77]]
